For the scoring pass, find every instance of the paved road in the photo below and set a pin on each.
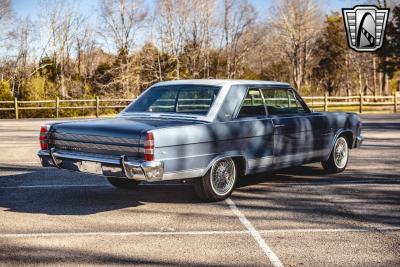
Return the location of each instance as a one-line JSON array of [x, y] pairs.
[[297, 217]]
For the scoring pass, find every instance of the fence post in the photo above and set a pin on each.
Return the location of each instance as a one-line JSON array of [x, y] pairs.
[[312, 103], [326, 102], [361, 103], [16, 107], [57, 107], [97, 106], [395, 101]]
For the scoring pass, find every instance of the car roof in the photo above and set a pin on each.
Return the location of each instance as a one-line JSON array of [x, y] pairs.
[[221, 82]]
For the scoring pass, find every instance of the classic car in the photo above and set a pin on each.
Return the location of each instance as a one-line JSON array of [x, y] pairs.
[[211, 131]]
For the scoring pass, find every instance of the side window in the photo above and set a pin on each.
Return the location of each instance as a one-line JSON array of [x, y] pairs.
[[294, 103], [253, 104], [281, 101]]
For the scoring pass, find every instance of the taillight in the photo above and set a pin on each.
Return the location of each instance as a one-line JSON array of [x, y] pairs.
[[43, 138], [149, 147]]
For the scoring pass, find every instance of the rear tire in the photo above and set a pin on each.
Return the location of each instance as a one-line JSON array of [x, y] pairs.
[[218, 183], [338, 158], [123, 183]]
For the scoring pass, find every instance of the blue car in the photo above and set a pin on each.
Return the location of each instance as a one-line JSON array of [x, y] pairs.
[[211, 131]]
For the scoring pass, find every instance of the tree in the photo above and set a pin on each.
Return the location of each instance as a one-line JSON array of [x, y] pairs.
[[60, 22], [122, 19], [390, 52], [22, 69], [172, 17], [238, 18], [331, 51], [5, 91], [5, 17], [298, 25]]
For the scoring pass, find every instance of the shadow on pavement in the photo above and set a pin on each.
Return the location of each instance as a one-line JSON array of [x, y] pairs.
[[11, 254], [263, 192], [93, 196]]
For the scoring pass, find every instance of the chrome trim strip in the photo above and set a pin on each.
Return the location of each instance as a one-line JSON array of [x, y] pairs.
[[67, 155], [302, 156], [95, 138], [73, 144], [260, 162], [185, 157], [186, 174]]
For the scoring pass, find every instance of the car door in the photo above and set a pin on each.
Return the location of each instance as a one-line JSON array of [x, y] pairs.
[[257, 143], [322, 133], [292, 127]]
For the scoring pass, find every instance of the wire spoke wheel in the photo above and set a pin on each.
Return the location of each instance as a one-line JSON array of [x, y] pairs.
[[223, 176], [341, 152]]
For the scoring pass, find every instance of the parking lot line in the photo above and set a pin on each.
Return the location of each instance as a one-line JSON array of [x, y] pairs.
[[211, 232], [255, 234], [157, 233]]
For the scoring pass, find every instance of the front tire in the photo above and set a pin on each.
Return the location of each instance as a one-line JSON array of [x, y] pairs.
[[123, 183], [338, 158], [218, 183]]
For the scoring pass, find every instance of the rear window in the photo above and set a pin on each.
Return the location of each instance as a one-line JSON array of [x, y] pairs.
[[188, 99]]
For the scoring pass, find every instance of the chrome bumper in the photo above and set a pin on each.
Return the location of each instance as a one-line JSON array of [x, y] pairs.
[[100, 165], [358, 141]]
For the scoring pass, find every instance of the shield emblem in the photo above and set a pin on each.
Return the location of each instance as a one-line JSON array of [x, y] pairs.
[[365, 27]]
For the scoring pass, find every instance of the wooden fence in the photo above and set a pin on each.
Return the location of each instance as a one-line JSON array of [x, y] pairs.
[[359, 104]]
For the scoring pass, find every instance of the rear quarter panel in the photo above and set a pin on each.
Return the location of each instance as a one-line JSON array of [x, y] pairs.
[[194, 147]]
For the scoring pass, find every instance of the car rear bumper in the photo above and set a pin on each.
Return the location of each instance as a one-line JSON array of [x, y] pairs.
[[102, 165]]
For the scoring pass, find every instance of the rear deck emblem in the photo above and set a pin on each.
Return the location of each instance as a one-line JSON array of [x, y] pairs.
[[365, 27]]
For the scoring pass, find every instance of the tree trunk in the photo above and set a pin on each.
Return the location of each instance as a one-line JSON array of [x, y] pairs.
[[178, 65], [374, 69], [384, 88]]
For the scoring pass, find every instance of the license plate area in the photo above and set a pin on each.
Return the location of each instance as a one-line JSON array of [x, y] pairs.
[[90, 167]]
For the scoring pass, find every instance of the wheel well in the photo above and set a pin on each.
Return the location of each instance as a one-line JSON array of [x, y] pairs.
[[349, 138], [240, 164]]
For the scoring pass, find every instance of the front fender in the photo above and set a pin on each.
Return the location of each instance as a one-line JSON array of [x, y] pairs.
[[339, 133]]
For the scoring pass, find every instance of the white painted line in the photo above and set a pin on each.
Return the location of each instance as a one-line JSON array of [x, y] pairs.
[[80, 185], [160, 233], [329, 230], [255, 234], [178, 233]]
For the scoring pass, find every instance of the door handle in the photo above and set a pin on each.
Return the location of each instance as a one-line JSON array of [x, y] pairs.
[[276, 126]]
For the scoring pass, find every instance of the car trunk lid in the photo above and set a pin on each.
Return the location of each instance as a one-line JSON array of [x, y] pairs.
[[118, 136]]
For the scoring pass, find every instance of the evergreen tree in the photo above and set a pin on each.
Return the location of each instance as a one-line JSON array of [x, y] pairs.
[[331, 51]]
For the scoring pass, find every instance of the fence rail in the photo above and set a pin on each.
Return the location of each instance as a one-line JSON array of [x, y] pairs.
[[322, 103]]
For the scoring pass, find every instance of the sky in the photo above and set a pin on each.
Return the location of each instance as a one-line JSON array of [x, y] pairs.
[[90, 9], [31, 8]]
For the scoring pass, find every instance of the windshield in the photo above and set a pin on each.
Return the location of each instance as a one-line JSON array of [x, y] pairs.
[[188, 99]]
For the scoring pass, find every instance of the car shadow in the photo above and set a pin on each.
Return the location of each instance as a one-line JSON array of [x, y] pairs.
[[55, 192], [86, 194]]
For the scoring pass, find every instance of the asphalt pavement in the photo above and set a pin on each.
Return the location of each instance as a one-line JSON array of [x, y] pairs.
[[296, 217]]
